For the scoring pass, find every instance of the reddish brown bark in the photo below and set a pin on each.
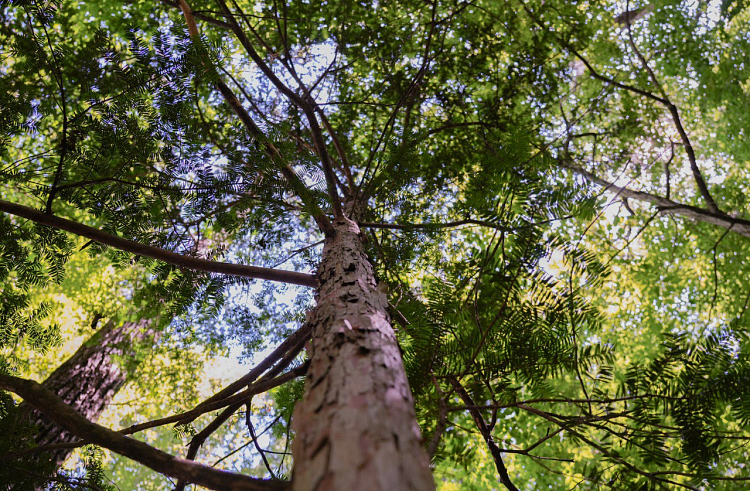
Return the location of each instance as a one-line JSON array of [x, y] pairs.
[[89, 379], [355, 427]]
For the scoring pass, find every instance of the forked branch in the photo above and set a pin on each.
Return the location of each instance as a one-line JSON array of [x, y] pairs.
[[675, 114], [663, 100], [271, 150], [180, 418], [305, 104], [486, 434], [664, 205]]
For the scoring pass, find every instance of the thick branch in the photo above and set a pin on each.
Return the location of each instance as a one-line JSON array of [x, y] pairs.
[[273, 152], [664, 100], [63, 415], [240, 398], [737, 225], [169, 257], [324, 120], [699, 181], [289, 344], [181, 418]]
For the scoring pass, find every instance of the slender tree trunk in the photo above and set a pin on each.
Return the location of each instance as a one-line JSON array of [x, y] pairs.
[[355, 427], [89, 379]]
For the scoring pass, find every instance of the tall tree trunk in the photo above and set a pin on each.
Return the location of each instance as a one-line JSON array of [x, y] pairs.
[[89, 379], [355, 427]]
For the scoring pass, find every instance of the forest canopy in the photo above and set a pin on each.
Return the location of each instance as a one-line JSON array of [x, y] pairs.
[[439, 243]]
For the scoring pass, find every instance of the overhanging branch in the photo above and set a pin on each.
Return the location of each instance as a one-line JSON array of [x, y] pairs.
[[737, 225], [663, 100], [675, 114], [169, 257], [239, 398], [63, 415], [435, 226], [289, 344], [457, 223], [180, 418], [486, 434]]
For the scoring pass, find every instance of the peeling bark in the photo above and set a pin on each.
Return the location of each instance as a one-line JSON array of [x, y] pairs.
[[88, 380], [355, 427]]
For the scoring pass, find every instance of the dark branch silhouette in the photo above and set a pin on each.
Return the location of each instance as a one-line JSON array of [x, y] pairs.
[[63, 415], [169, 257]]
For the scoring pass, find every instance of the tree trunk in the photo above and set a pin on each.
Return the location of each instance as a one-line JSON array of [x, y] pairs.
[[89, 379], [355, 427]]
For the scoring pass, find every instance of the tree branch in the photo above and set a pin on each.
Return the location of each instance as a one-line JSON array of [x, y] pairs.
[[237, 401], [294, 181], [298, 337], [198, 440], [442, 421], [699, 181], [305, 104], [605, 451], [486, 434], [664, 100], [180, 418], [411, 226], [721, 219], [630, 16], [241, 397], [63, 415], [169, 257], [205, 18], [249, 422]]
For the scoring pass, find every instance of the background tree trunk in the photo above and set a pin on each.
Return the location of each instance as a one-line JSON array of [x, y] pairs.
[[355, 427], [89, 379]]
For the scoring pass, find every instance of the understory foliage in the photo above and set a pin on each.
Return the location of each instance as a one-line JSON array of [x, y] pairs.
[[570, 301]]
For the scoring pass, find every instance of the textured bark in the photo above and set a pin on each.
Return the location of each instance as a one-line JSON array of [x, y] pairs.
[[355, 427], [89, 379]]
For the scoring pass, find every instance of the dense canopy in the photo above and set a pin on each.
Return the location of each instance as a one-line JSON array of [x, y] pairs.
[[456, 244]]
